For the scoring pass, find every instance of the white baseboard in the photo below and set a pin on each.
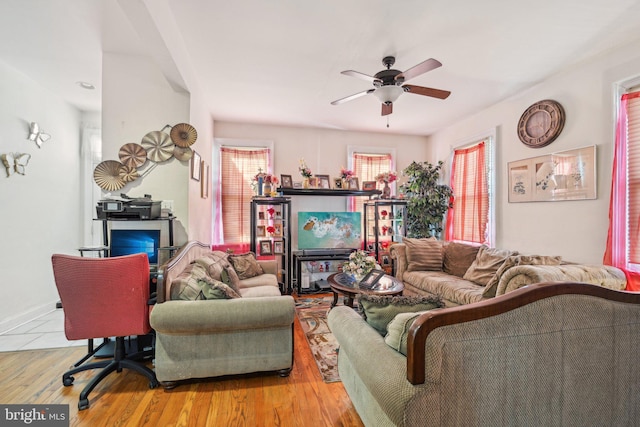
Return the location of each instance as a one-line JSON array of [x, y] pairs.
[[8, 324]]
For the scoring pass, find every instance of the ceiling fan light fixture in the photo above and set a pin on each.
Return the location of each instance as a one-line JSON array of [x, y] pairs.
[[388, 93]]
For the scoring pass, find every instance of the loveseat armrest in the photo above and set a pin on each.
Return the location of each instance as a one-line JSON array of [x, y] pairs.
[[524, 275], [399, 254], [187, 317], [380, 367], [269, 266]]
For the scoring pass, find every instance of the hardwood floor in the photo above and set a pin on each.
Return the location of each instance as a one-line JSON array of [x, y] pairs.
[[302, 399]]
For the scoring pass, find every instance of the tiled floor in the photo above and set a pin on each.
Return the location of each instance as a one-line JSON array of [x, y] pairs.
[[46, 331]]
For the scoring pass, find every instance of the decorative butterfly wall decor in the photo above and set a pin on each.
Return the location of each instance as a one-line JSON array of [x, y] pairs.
[[36, 135], [15, 162]]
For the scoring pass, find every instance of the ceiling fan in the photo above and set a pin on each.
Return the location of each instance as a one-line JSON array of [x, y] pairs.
[[389, 84]]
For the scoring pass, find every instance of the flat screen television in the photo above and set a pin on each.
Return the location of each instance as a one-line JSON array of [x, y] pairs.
[[127, 242], [329, 230]]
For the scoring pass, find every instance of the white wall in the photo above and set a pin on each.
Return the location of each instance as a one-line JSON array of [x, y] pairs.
[[39, 212], [324, 151], [137, 99], [576, 230]]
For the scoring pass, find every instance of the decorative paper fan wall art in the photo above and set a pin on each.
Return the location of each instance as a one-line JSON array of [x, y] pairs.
[[183, 135], [158, 145], [182, 153], [132, 155], [109, 175], [129, 174]]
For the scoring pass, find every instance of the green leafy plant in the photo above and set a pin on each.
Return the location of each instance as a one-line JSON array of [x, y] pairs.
[[427, 199]]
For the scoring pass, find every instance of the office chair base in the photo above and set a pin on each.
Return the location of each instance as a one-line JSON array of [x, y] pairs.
[[117, 364]]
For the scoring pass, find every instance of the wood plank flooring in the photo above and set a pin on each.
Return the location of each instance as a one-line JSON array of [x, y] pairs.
[[302, 399]]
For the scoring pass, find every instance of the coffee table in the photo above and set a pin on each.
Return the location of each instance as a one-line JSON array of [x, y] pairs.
[[342, 283]]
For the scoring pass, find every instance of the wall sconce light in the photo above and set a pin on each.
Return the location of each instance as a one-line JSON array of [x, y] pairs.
[[36, 135]]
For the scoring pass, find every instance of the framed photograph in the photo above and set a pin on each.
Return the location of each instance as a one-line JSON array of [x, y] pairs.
[[204, 183], [353, 184], [337, 183], [196, 166], [277, 215], [286, 181], [278, 229], [265, 247], [261, 231], [297, 184], [368, 185], [261, 215], [278, 247], [371, 279], [385, 259], [313, 182], [323, 181], [565, 175]]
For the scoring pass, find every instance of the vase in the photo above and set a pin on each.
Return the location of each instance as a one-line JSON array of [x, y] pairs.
[[260, 186], [266, 188], [305, 183], [386, 191]]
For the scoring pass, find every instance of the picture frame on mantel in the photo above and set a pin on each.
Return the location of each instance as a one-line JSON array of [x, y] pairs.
[[196, 166]]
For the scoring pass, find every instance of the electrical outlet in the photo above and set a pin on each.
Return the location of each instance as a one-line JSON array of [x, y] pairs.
[[167, 204]]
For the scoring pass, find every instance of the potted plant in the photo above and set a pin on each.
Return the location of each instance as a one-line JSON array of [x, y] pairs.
[[427, 199]]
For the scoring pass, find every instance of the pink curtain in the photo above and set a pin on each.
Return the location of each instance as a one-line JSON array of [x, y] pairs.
[[366, 167], [238, 166], [615, 251], [467, 220]]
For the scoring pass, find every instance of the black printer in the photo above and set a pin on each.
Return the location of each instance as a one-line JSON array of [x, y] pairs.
[[129, 208]]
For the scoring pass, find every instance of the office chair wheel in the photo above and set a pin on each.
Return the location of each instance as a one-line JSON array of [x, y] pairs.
[[67, 381], [83, 404]]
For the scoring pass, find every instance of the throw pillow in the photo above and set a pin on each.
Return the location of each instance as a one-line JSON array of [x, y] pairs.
[[214, 262], [423, 254], [185, 286], [214, 289], [380, 310], [486, 264], [492, 286], [246, 265], [398, 331], [458, 257], [230, 278]]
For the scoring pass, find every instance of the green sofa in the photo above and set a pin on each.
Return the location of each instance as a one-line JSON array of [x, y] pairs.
[[551, 354], [215, 337]]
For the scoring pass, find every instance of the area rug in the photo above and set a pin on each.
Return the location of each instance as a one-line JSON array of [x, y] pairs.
[[312, 313]]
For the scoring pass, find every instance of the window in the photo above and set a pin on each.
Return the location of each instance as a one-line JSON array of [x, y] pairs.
[[366, 166], [623, 240], [469, 220], [238, 167]]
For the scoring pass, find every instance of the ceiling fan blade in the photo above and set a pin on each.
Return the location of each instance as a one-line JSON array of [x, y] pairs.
[[352, 97], [421, 68], [360, 75], [426, 91], [387, 109]]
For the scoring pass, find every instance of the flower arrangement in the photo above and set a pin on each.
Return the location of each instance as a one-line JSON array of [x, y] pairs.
[[304, 169], [383, 213], [271, 211], [359, 264], [271, 229], [387, 177], [346, 174], [267, 178]]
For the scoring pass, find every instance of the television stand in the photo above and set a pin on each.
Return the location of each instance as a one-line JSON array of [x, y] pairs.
[[313, 279]]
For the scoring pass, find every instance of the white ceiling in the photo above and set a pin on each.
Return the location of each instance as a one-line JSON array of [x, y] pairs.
[[280, 61]]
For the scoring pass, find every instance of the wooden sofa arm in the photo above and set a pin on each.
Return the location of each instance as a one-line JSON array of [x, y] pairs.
[[432, 320]]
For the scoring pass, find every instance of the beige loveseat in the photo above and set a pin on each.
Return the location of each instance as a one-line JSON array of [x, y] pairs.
[[544, 355], [463, 274], [216, 331]]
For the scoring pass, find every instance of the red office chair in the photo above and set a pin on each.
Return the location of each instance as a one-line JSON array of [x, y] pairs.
[[104, 297]]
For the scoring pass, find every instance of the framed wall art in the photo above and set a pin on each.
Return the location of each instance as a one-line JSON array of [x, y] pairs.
[[565, 175], [265, 247], [196, 166]]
